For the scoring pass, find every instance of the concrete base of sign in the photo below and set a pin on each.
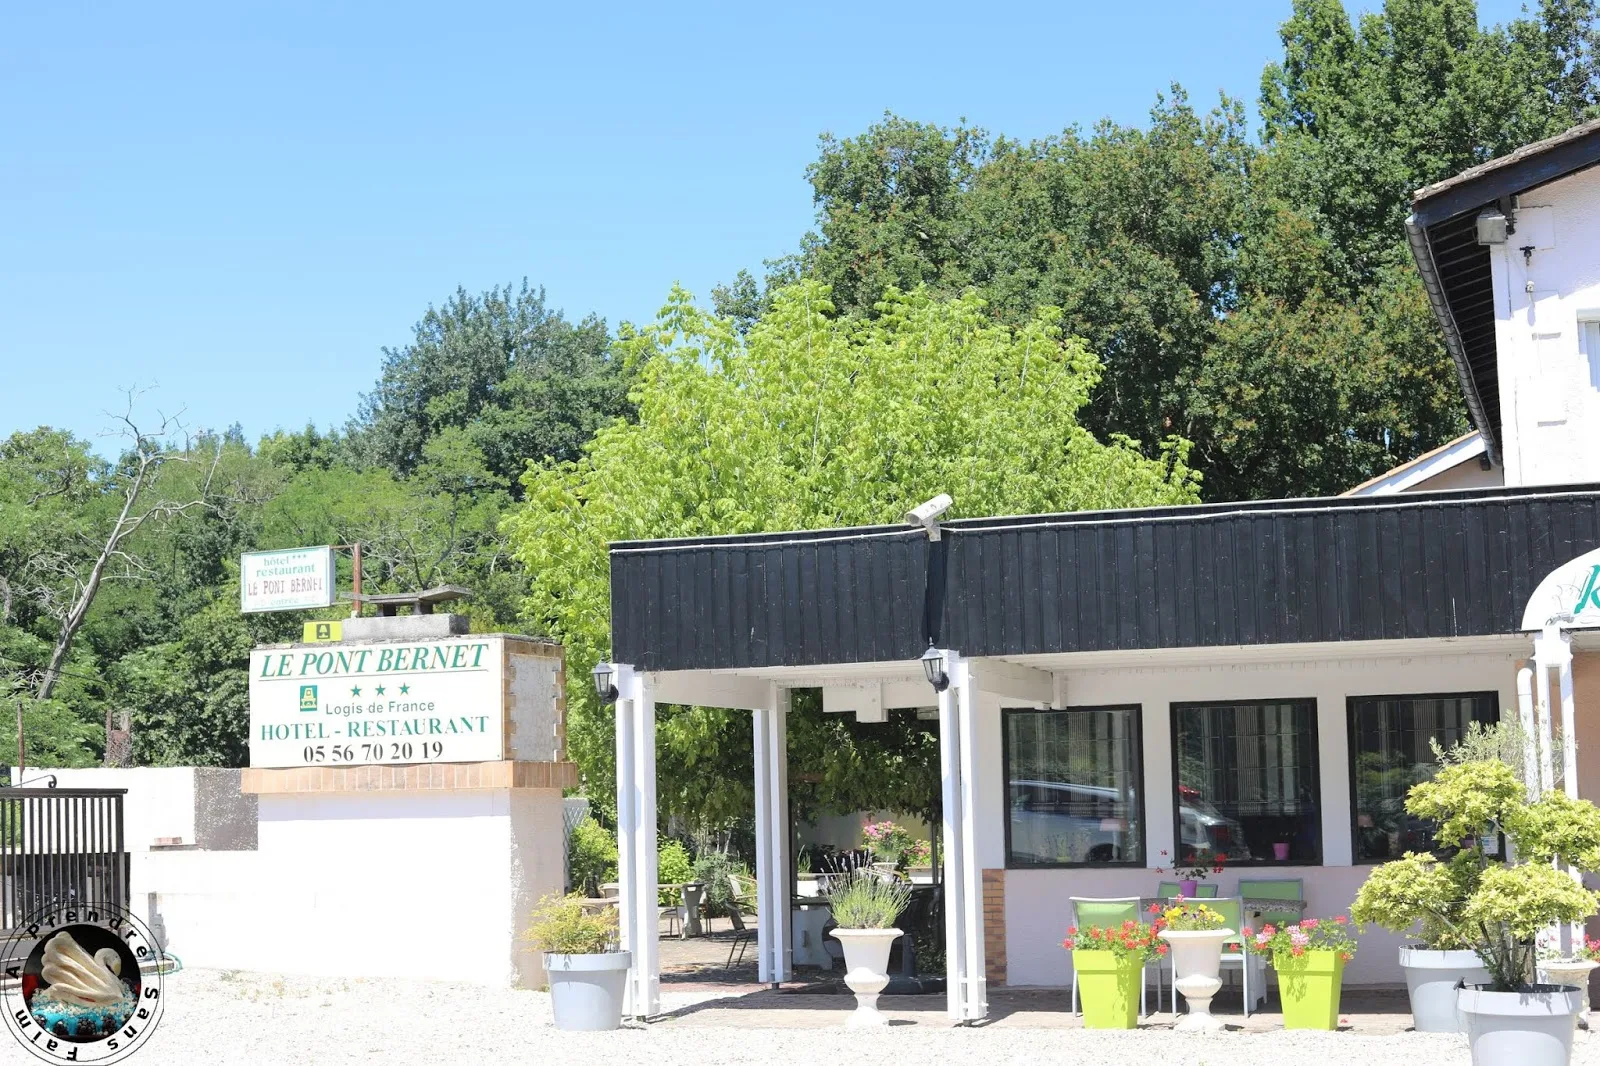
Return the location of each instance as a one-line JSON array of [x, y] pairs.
[[407, 627], [387, 882]]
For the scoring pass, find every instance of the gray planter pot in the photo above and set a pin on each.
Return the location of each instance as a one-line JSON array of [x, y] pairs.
[[1431, 980], [1525, 1028], [586, 990]]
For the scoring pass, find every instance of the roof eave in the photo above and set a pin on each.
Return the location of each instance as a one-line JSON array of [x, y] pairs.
[[1422, 251]]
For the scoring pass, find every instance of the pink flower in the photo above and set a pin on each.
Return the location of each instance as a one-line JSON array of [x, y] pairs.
[[1341, 920], [1310, 923]]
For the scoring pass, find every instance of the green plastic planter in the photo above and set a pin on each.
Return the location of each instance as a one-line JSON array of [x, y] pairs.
[[1308, 986], [1108, 989]]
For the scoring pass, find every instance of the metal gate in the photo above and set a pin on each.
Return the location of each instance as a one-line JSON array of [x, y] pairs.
[[60, 847]]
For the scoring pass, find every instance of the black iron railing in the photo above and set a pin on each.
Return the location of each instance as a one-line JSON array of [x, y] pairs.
[[60, 847]]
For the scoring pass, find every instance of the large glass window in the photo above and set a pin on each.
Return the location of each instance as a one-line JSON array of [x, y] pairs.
[[1247, 781], [1390, 752], [1074, 786]]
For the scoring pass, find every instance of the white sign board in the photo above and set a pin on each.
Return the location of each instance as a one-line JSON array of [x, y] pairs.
[[1569, 596], [291, 580], [358, 704]]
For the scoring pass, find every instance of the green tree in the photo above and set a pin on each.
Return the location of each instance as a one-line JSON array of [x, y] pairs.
[[514, 377], [812, 420]]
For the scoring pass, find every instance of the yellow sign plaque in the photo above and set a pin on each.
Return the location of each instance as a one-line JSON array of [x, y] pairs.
[[323, 632]]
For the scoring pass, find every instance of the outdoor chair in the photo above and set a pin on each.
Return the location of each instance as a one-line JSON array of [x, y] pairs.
[[1234, 953], [1083, 911], [740, 906], [1272, 888]]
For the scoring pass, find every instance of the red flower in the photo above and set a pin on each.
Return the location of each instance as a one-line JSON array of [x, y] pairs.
[[1297, 950], [1341, 920], [1310, 923], [1161, 949], [1247, 931], [1155, 908], [1268, 929], [1072, 930]]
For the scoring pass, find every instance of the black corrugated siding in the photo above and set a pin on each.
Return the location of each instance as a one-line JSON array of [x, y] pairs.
[[1440, 565]]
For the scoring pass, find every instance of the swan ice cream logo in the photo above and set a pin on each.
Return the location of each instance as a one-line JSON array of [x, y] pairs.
[[82, 984]]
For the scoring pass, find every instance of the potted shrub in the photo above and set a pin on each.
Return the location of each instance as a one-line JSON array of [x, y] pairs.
[[586, 971], [1309, 956], [1420, 893], [1510, 1017], [1191, 872], [1196, 934], [1110, 964], [865, 906]]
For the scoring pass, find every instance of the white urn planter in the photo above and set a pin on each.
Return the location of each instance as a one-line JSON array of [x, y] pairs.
[[586, 990], [866, 965], [1525, 1028], [1196, 971], [1431, 981]]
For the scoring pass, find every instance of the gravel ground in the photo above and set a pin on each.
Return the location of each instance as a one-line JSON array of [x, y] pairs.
[[259, 1020]]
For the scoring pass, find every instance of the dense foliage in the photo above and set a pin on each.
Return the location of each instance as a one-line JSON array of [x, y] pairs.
[[812, 420], [1497, 908]]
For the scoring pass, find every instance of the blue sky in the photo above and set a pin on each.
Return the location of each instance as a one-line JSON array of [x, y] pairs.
[[238, 205]]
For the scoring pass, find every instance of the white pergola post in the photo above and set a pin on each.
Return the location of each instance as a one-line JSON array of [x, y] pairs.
[[774, 949], [1552, 650], [965, 987], [640, 915]]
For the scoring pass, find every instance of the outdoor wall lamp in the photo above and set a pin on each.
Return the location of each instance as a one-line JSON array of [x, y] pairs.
[[933, 668], [603, 687]]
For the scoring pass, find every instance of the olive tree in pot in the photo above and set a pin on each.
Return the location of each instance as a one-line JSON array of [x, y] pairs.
[[865, 906], [1496, 909], [587, 973]]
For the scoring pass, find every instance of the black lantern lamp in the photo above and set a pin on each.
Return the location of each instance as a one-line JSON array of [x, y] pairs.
[[604, 673], [933, 668]]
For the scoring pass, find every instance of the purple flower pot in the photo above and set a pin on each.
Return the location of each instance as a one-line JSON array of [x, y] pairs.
[[1188, 887], [1280, 850]]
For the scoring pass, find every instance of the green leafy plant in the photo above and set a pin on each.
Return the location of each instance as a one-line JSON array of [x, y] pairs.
[[1497, 909], [562, 925], [591, 855], [672, 868], [868, 901], [713, 868], [1297, 938], [1130, 940]]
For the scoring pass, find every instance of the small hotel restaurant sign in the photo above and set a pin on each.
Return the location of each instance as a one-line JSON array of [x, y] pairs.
[[421, 701], [1568, 597], [290, 580]]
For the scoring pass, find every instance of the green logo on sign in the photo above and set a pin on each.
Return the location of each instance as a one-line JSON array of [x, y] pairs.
[[308, 697], [1590, 596]]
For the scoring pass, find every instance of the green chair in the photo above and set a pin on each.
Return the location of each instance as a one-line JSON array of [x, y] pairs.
[[1083, 911], [1267, 888], [1234, 954], [1168, 889]]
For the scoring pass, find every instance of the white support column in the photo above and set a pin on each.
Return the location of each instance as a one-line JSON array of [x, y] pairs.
[[627, 808], [965, 986], [1530, 757], [1544, 733], [636, 840], [975, 1003], [774, 950], [950, 779]]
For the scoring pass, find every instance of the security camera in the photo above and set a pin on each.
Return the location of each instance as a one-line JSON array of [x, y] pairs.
[[927, 514]]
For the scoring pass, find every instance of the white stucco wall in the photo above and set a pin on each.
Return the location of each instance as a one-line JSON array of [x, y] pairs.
[[1036, 900], [433, 885], [1550, 386]]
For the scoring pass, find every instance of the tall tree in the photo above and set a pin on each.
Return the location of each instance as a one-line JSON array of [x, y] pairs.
[[512, 375], [812, 420]]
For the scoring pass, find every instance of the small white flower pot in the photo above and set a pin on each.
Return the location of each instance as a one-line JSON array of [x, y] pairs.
[[866, 964], [1196, 970], [1525, 1028]]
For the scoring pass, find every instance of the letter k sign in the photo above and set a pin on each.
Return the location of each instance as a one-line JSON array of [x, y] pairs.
[[1590, 596]]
